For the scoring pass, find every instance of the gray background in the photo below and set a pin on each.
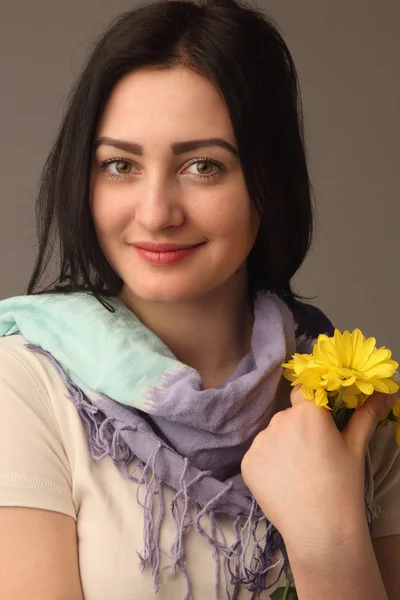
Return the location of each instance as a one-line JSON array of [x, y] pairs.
[[347, 55]]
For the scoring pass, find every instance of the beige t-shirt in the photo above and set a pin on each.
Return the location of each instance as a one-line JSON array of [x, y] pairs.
[[45, 463]]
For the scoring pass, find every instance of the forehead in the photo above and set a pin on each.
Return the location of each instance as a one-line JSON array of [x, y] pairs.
[[173, 103]]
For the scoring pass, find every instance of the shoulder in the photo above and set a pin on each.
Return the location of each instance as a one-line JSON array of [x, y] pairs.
[[16, 358], [16, 361], [29, 380], [34, 385], [309, 323], [33, 382], [37, 472]]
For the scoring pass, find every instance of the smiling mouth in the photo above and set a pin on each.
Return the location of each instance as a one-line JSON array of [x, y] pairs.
[[161, 256], [166, 247]]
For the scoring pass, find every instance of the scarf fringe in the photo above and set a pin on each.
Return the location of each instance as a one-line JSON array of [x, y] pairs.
[[104, 436]]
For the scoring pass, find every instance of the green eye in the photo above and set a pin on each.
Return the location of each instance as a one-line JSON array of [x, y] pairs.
[[206, 168], [116, 168]]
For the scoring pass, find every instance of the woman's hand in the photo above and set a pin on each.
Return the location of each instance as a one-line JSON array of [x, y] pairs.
[[308, 478]]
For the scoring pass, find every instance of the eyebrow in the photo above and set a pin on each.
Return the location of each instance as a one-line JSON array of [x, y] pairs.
[[177, 147]]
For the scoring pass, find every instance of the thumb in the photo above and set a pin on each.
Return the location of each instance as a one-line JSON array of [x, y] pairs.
[[296, 396], [364, 420]]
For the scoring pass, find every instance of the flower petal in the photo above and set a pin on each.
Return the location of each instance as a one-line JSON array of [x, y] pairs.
[[361, 351], [379, 356], [357, 339], [321, 398], [337, 336], [349, 381], [350, 400], [307, 392], [311, 378], [366, 388], [328, 352], [396, 409], [361, 398], [384, 369], [333, 382], [347, 349], [386, 386], [288, 375], [364, 353]]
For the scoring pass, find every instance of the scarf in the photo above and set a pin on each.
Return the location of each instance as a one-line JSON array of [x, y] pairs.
[[147, 405]]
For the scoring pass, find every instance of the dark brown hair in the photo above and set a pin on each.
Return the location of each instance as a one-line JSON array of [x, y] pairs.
[[239, 50]]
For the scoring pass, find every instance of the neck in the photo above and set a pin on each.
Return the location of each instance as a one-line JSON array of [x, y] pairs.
[[210, 334]]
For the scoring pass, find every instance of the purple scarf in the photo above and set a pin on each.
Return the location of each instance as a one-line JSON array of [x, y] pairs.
[[185, 437]]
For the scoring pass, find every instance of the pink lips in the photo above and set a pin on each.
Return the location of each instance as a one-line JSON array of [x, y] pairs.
[[164, 254]]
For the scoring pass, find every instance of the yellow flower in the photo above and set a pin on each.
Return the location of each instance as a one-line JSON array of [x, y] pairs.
[[298, 372], [348, 362], [297, 364]]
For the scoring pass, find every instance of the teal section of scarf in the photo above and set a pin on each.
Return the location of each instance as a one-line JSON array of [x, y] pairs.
[[78, 330]]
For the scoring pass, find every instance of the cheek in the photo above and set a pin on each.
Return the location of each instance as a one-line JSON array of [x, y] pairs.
[[234, 215], [109, 211]]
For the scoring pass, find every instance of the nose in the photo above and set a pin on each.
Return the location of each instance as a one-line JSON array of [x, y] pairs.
[[158, 204]]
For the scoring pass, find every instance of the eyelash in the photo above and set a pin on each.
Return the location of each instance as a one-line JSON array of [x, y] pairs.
[[105, 163]]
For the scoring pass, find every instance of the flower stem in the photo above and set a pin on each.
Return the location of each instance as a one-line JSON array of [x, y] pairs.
[[285, 593], [338, 401], [288, 585]]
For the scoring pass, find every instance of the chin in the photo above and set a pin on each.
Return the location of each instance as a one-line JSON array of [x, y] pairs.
[[182, 288], [169, 294]]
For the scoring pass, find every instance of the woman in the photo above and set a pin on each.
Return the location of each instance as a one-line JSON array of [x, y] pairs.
[[132, 390]]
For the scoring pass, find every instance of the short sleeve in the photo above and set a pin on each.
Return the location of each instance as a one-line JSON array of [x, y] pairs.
[[384, 455], [34, 469]]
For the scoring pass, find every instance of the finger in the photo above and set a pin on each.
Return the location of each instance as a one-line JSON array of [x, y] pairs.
[[393, 397], [364, 420], [296, 397]]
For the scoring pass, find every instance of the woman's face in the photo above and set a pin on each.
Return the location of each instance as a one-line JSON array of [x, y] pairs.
[[166, 171]]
